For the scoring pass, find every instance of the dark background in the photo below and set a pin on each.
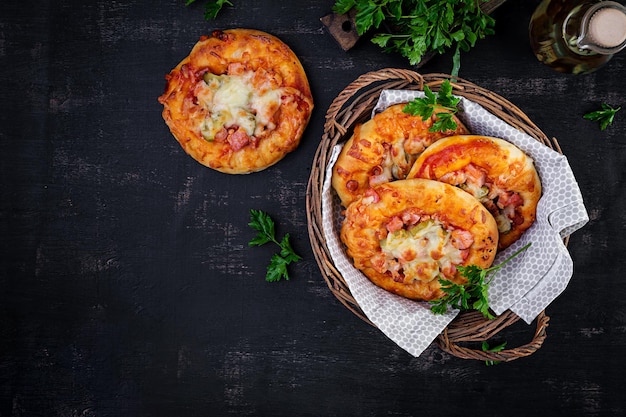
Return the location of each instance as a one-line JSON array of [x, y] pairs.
[[127, 287]]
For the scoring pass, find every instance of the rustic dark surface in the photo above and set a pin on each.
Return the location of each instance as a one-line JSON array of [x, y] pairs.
[[126, 284]]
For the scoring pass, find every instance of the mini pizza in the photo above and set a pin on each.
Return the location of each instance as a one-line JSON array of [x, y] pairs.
[[383, 149], [239, 102], [497, 173], [405, 235]]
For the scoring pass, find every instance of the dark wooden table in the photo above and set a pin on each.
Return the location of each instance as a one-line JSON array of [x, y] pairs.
[[126, 284]]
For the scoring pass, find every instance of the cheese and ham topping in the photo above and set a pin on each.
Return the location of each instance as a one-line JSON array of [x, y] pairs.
[[241, 109], [503, 205], [394, 165], [421, 248]]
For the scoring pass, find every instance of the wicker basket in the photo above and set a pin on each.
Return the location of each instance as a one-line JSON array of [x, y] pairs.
[[354, 105]]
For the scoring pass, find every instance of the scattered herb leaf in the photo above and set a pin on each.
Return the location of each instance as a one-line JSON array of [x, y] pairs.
[[212, 8], [419, 27], [604, 117], [264, 225], [497, 348], [431, 102], [472, 295]]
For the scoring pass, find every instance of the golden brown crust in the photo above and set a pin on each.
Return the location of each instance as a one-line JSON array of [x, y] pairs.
[[383, 149], [268, 65], [371, 218], [512, 183]]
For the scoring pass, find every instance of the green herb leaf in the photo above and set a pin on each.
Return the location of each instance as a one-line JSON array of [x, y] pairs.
[[343, 6], [277, 269], [381, 39], [265, 226], [286, 251], [212, 8], [497, 348], [472, 295], [444, 123], [604, 117], [456, 60], [430, 103]]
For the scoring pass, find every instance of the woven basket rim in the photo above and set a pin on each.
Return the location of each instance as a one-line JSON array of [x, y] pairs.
[[353, 105]]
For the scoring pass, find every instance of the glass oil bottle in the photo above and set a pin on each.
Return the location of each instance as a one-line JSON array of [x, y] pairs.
[[577, 36]]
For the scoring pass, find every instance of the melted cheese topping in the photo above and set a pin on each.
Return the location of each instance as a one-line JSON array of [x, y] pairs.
[[233, 100], [424, 252]]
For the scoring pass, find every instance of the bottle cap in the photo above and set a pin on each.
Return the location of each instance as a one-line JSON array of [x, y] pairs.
[[607, 27]]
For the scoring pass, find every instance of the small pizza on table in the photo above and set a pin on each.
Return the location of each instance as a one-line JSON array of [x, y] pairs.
[[239, 102]]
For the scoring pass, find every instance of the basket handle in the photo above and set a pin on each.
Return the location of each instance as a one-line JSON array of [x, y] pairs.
[[404, 78], [473, 327]]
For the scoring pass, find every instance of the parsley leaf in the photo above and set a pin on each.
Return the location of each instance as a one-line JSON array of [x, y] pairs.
[[343, 6], [212, 8], [604, 117], [277, 269], [419, 27], [471, 295], [431, 102], [264, 225], [497, 348]]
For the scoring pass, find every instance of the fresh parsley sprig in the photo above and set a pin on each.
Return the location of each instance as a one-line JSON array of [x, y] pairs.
[[212, 8], [604, 116], [431, 102], [264, 225], [471, 295], [419, 27]]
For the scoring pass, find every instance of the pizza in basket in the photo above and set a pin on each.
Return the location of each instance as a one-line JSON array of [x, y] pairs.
[[383, 149], [239, 102], [405, 235], [500, 175]]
